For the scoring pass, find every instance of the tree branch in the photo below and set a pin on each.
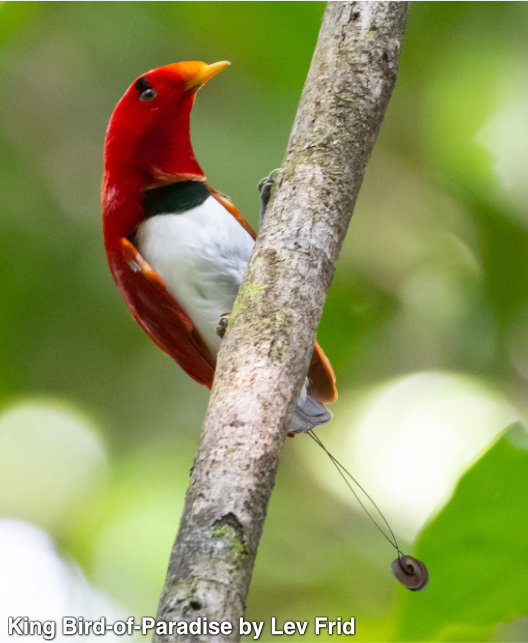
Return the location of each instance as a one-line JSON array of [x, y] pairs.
[[266, 351]]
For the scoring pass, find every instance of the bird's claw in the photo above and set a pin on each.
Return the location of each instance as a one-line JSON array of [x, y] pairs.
[[222, 324], [264, 188]]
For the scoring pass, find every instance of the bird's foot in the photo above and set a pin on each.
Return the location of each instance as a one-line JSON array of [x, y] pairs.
[[264, 188], [222, 324]]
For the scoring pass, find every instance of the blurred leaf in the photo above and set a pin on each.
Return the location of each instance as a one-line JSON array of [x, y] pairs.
[[476, 550]]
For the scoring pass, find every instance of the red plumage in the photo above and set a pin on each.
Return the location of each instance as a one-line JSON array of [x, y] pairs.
[[148, 146]]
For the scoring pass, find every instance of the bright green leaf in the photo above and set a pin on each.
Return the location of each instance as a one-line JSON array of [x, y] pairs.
[[476, 550]]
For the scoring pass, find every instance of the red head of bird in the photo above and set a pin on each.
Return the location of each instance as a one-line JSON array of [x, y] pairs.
[[148, 141]]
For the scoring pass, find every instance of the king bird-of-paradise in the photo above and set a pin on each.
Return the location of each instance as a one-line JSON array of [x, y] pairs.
[[178, 249]]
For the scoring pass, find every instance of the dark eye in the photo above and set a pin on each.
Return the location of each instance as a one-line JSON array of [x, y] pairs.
[[146, 91], [148, 94]]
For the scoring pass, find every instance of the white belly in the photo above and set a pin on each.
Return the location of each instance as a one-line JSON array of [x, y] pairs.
[[201, 255]]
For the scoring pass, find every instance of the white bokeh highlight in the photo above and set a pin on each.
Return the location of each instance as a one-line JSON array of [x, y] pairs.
[[409, 440], [37, 582], [51, 458]]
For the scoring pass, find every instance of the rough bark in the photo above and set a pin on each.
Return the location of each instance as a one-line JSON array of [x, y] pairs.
[[266, 351]]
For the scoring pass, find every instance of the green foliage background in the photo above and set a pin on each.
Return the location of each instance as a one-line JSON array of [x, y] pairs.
[[432, 279]]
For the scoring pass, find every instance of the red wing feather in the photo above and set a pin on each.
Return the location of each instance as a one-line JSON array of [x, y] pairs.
[[226, 202], [322, 379], [158, 312], [169, 326]]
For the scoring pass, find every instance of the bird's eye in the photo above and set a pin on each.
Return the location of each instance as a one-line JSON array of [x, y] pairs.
[[146, 91], [148, 94]]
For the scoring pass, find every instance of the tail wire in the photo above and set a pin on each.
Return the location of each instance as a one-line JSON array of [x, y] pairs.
[[384, 527]]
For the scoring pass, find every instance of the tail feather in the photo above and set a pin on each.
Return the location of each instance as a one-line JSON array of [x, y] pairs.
[[309, 413]]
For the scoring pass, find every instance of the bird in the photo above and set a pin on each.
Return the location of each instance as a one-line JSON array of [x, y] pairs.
[[177, 248]]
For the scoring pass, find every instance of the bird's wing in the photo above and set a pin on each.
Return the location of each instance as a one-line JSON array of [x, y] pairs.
[[228, 205], [320, 374], [158, 312]]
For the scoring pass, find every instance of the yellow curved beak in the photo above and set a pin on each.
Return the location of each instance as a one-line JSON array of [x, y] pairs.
[[202, 72]]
